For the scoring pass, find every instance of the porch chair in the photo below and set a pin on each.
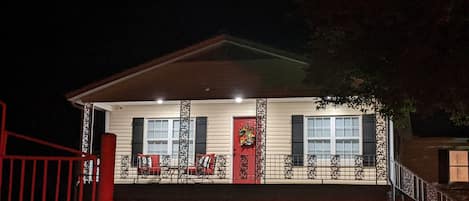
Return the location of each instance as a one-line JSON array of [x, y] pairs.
[[204, 165], [148, 164]]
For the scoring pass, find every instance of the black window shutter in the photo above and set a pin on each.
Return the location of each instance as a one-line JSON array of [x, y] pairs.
[[201, 135], [443, 166], [369, 139], [137, 139], [297, 129]]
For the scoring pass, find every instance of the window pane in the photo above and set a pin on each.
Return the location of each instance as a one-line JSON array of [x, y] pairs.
[[326, 148], [321, 148], [151, 125], [313, 128], [326, 127], [157, 129], [339, 148], [176, 129], [355, 122], [164, 125], [311, 147], [355, 148], [339, 132], [355, 132], [355, 127], [459, 174], [151, 131], [157, 147], [347, 127], [339, 127], [347, 132], [458, 162], [319, 127], [151, 134], [458, 158], [339, 122], [326, 123], [348, 122], [347, 147], [317, 123], [326, 132]]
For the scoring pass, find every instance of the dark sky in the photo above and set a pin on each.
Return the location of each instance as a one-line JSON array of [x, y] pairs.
[[53, 48]]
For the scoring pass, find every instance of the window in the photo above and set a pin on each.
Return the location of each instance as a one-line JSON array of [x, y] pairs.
[[458, 166], [162, 137], [333, 135]]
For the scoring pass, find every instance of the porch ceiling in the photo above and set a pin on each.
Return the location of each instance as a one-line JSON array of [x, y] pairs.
[[220, 68]]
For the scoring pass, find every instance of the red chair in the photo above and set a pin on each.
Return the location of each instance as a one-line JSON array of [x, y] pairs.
[[148, 164], [204, 165]]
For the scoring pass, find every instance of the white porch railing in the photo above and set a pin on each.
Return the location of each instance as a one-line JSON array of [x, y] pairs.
[[415, 187]]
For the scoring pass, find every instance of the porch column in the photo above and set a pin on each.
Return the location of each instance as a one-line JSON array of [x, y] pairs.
[[261, 120], [381, 148], [184, 128], [86, 137]]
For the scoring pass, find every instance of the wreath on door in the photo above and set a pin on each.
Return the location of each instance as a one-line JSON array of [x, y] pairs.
[[246, 136]]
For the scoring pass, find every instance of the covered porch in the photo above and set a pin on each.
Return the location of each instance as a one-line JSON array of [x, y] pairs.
[[201, 143]]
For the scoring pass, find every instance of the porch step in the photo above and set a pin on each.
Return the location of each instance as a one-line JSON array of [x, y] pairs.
[[268, 192]]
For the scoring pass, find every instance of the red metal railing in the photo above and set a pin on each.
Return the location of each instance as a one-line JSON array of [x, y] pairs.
[[2, 141], [26, 177], [48, 178]]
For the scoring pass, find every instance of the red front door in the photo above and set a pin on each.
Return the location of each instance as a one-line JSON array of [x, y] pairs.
[[244, 151]]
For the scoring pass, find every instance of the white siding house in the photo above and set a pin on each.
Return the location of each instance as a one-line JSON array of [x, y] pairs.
[[231, 111]]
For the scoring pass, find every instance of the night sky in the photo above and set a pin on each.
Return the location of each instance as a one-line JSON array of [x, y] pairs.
[[54, 48]]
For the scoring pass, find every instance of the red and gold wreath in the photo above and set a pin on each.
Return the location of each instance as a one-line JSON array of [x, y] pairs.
[[247, 136]]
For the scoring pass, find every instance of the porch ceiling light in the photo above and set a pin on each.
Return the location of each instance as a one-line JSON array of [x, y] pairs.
[[159, 101], [239, 99]]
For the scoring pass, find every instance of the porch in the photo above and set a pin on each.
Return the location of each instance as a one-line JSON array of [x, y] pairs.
[[292, 143], [279, 169]]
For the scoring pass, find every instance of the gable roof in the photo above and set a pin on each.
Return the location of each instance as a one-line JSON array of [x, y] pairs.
[[222, 53]]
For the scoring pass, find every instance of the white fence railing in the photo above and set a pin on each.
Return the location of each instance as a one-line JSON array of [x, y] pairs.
[[415, 187]]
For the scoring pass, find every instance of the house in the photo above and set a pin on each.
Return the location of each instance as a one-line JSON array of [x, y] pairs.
[[231, 111], [437, 151]]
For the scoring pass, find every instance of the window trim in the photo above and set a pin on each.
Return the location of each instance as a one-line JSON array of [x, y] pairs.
[[169, 139], [333, 138]]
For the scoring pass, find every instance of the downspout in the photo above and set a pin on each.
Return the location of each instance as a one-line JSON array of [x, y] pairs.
[[391, 172]]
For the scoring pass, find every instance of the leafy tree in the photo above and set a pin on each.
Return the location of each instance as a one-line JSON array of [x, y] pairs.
[[405, 56]]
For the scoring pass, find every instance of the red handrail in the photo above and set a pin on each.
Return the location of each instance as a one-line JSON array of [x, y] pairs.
[[2, 139], [4, 115], [45, 143], [62, 164], [2, 131], [22, 157]]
